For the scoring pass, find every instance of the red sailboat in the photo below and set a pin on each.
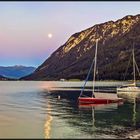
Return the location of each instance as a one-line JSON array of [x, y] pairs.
[[92, 99]]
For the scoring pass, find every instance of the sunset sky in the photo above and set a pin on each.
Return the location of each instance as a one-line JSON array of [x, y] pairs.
[[31, 31]]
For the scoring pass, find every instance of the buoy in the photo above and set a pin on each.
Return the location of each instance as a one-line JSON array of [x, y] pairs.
[[58, 96]]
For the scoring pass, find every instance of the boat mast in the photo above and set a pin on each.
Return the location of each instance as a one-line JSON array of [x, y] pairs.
[[134, 65], [95, 60]]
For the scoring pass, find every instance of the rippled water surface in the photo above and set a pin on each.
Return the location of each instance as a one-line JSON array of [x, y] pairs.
[[33, 110]]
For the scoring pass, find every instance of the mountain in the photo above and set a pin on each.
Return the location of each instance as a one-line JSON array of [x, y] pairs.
[[16, 71], [73, 59], [3, 78]]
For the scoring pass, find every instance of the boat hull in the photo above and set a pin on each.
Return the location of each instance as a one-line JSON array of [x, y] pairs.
[[89, 100], [129, 89]]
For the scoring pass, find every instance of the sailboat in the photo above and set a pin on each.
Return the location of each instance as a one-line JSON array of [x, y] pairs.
[[131, 87], [93, 99]]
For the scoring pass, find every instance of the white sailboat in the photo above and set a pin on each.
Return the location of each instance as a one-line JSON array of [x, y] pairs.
[[131, 87]]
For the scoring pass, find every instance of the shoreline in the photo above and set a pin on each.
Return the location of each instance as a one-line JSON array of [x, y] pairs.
[[72, 80]]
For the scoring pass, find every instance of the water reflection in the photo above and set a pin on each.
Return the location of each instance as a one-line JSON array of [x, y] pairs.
[[130, 96], [98, 107], [47, 126], [100, 121], [134, 112], [27, 111], [134, 99]]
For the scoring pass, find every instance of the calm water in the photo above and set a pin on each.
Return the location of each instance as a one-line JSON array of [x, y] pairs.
[[33, 110]]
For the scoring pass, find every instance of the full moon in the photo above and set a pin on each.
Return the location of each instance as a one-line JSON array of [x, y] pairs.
[[49, 35]]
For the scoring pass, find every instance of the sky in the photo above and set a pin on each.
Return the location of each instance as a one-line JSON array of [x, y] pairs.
[[31, 31]]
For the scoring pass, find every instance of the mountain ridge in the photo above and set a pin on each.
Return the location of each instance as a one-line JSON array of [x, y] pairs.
[[2, 77], [16, 71], [73, 58]]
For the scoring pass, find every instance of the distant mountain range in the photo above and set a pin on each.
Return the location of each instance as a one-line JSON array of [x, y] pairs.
[[3, 78], [15, 72], [73, 59]]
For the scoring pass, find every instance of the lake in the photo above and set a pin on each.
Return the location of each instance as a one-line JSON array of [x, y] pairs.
[[32, 109]]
